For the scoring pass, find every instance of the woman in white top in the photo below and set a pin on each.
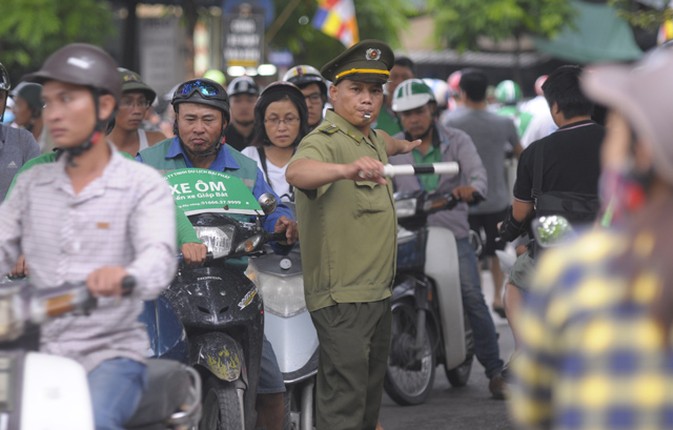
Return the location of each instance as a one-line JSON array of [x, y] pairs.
[[281, 121], [124, 130]]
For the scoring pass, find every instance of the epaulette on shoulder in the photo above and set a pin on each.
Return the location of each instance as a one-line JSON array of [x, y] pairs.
[[328, 128]]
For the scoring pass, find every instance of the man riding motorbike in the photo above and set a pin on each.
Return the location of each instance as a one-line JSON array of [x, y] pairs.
[[114, 218], [202, 113], [415, 103]]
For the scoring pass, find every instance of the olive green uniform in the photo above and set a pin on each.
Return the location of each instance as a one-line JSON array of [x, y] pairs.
[[348, 234]]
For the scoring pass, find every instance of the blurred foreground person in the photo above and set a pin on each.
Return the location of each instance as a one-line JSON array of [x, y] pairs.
[[95, 217], [595, 332]]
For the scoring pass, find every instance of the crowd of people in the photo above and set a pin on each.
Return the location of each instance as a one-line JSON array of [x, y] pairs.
[[81, 174]]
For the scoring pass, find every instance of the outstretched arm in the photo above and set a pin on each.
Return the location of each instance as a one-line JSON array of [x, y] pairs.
[[308, 174]]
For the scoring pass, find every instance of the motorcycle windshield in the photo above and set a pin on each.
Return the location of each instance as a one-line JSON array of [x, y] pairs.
[[198, 191]]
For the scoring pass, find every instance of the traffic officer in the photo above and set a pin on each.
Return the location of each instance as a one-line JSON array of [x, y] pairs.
[[347, 221]]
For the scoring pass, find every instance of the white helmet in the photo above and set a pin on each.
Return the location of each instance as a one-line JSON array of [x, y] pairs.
[[412, 94]]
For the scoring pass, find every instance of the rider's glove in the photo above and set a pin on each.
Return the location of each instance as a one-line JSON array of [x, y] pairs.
[[510, 228]]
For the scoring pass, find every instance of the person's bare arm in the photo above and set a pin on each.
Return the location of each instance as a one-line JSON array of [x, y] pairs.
[[397, 146], [308, 174], [521, 210]]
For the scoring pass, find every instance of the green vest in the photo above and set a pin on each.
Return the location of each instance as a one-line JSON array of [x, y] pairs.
[[155, 156]]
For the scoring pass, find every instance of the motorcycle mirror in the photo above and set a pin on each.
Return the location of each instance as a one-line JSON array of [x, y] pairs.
[[551, 230], [268, 202]]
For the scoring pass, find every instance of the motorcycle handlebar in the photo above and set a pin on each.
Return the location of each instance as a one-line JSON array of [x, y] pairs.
[[128, 285], [476, 199], [181, 258], [278, 236]]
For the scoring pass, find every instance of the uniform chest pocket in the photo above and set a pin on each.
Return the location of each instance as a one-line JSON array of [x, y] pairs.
[[370, 198]]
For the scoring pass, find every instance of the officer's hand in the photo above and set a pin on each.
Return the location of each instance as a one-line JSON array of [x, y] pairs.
[[464, 193], [365, 168], [20, 269], [404, 146], [194, 253], [397, 146], [289, 227], [106, 281]]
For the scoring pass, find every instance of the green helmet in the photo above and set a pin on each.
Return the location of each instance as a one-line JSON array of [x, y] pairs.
[[508, 92], [412, 94], [216, 75]]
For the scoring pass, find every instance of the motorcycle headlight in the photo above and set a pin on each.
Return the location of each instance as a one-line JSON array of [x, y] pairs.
[[217, 239], [405, 207], [282, 295]]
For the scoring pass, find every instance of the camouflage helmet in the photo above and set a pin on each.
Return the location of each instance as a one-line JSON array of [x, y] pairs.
[[304, 75]]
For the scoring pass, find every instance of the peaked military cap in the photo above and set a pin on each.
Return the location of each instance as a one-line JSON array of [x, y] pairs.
[[366, 61]]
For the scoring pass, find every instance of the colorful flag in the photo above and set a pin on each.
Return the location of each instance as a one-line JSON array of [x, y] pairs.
[[665, 29], [336, 18]]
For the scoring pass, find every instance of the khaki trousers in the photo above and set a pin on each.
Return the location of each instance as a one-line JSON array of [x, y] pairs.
[[353, 356]]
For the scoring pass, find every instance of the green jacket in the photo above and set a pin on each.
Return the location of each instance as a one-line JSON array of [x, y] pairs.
[[165, 157]]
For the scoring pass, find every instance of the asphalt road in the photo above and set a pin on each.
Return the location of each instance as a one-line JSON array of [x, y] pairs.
[[468, 408]]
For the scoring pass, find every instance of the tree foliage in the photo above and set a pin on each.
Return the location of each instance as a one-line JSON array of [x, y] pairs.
[[377, 19], [33, 29], [460, 23], [642, 16]]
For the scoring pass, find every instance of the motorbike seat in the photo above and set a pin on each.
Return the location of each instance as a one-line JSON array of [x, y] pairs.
[[170, 389]]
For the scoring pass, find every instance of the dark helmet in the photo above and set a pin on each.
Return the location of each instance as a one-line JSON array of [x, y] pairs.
[[32, 94], [202, 91], [131, 81], [242, 85], [282, 87], [81, 64], [304, 75], [5, 85]]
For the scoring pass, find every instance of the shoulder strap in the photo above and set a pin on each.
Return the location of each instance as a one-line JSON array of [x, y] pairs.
[[538, 167], [262, 161]]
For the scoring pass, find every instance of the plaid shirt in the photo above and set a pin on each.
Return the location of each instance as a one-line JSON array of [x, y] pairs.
[[591, 357], [125, 217]]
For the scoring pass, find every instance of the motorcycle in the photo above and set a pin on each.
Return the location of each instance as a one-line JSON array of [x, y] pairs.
[[290, 331], [212, 316], [48, 392], [429, 326]]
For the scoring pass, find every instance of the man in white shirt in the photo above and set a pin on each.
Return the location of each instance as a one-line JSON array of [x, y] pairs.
[[95, 217]]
